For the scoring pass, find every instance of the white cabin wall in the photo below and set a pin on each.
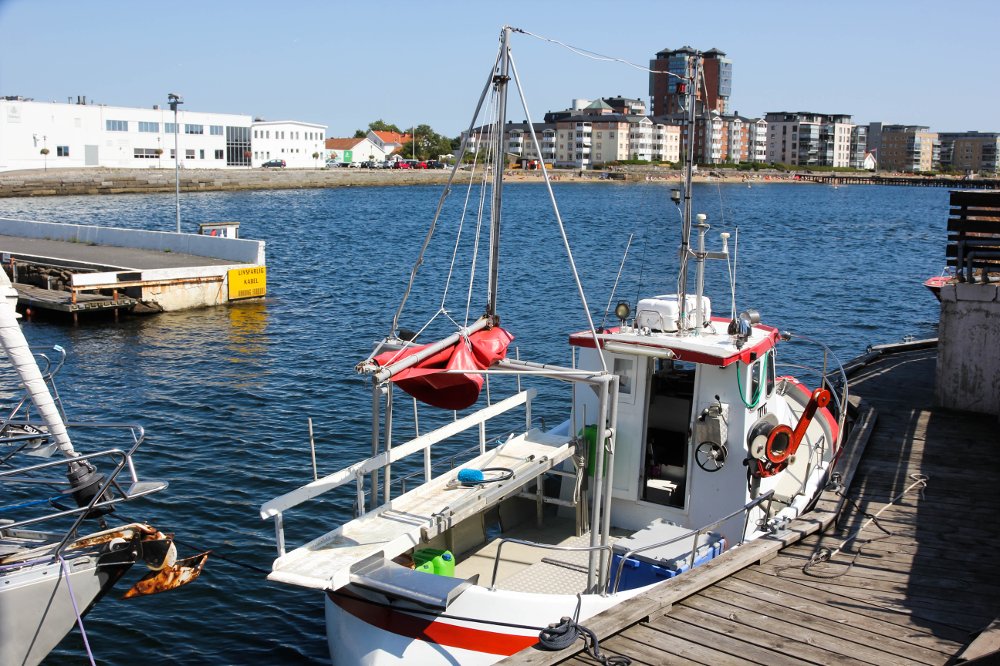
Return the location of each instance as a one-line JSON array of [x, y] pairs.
[[712, 495], [709, 495], [633, 385]]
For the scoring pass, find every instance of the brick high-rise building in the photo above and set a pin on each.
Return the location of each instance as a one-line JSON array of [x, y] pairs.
[[667, 93]]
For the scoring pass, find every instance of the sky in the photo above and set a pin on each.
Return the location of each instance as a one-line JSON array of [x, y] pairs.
[[346, 64]]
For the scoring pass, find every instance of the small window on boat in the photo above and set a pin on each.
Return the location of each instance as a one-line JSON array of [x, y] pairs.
[[625, 369], [756, 376], [770, 373]]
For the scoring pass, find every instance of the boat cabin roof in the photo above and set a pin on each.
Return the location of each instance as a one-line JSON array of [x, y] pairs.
[[711, 346]]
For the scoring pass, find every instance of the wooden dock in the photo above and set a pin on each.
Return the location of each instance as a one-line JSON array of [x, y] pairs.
[[902, 181], [36, 298], [921, 585]]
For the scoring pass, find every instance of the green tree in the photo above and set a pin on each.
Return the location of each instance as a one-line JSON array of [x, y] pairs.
[[426, 144], [382, 126], [360, 134]]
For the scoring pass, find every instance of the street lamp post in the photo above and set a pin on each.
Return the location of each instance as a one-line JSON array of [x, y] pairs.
[[174, 100]]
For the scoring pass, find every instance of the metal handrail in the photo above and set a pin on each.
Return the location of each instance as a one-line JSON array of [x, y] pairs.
[[533, 544], [122, 460], [745, 509], [355, 473], [841, 399], [48, 376]]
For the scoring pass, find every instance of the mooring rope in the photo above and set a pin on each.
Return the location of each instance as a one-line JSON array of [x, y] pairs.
[[76, 610], [825, 554]]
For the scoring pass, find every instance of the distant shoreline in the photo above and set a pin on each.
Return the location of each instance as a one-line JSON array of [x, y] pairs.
[[68, 182]]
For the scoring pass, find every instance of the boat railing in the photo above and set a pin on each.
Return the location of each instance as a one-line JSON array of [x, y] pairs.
[[832, 377], [110, 492], [695, 535], [450, 462], [545, 546], [49, 368], [357, 472]]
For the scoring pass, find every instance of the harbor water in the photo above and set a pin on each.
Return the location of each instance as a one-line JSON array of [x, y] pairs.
[[224, 393]]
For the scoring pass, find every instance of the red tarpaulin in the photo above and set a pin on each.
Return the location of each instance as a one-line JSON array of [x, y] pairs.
[[425, 381]]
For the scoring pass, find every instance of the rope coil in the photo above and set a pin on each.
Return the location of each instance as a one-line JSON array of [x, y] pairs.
[[561, 635]]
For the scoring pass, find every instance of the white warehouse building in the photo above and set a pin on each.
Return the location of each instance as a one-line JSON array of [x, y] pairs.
[[37, 135]]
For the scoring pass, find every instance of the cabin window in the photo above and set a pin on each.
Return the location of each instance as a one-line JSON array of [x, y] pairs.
[[625, 369], [770, 374], [756, 379]]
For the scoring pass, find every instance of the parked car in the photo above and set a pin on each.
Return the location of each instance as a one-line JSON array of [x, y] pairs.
[[435, 164], [401, 164], [332, 164], [354, 165], [274, 163], [387, 164]]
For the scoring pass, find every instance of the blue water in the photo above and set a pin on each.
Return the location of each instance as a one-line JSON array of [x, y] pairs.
[[224, 393]]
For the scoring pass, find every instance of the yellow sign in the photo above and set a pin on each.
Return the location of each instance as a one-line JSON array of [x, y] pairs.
[[247, 282]]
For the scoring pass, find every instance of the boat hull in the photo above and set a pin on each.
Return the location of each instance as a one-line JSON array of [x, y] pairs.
[[480, 627], [37, 609]]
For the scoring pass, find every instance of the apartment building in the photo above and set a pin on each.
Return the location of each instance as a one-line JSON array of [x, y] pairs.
[[668, 92], [859, 150], [908, 148], [805, 138], [521, 145], [757, 149], [971, 152]]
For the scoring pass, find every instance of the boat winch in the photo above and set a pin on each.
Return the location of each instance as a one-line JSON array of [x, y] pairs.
[[773, 445]]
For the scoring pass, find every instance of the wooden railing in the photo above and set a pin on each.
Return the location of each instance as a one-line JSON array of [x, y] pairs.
[[974, 234]]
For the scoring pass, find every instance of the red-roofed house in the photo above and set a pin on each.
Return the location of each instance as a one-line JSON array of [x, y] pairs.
[[388, 142]]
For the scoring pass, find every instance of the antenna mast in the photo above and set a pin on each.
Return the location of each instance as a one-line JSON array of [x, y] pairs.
[[685, 250], [500, 80]]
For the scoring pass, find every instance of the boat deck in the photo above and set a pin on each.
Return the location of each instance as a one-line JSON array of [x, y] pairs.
[[420, 514], [919, 586]]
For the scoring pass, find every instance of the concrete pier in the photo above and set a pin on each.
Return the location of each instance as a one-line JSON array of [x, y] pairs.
[[65, 265]]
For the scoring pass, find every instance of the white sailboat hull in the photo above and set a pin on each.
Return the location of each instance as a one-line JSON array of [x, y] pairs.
[[37, 603]]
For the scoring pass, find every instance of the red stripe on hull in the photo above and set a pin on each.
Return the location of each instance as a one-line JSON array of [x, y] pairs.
[[430, 630]]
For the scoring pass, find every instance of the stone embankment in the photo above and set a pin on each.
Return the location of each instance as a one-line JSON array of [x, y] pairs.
[[56, 182]]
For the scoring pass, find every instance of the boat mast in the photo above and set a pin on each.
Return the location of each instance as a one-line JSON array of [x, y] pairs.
[[500, 80], [685, 251]]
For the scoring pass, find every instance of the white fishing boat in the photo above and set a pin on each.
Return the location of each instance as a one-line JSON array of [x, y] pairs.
[[682, 439], [58, 554]]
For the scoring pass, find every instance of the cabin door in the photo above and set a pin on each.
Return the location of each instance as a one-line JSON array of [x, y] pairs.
[[664, 475]]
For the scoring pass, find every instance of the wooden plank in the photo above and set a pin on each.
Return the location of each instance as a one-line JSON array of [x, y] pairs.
[[669, 648], [638, 647], [984, 646], [978, 199], [920, 630], [62, 301], [792, 626], [890, 557], [941, 602], [896, 627], [743, 641]]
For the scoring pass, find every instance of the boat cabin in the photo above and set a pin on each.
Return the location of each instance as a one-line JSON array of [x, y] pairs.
[[686, 405]]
